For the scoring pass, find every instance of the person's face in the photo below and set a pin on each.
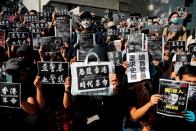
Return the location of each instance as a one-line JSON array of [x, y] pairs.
[[174, 16], [172, 99], [188, 78], [86, 23], [155, 62]]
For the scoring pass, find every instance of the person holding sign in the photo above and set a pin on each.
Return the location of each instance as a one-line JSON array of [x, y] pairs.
[[90, 112], [141, 105], [174, 31], [31, 99]]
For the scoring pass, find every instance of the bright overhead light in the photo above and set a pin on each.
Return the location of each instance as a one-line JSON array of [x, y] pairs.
[[151, 7]]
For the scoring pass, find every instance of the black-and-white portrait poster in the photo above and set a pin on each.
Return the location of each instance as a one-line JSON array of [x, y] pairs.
[[182, 12], [63, 27], [2, 38], [136, 42], [112, 32], [192, 48], [176, 46], [52, 44], [53, 72], [192, 92], [155, 47], [175, 97], [138, 66], [37, 40], [18, 38], [86, 43], [181, 59], [10, 95], [115, 57]]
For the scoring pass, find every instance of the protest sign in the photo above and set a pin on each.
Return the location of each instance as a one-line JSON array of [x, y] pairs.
[[10, 95], [155, 47], [91, 78], [5, 23], [136, 42], [46, 16], [175, 97], [18, 38], [115, 57], [37, 27], [182, 59], [31, 18], [52, 44], [138, 66], [53, 72], [37, 40], [86, 42], [47, 8], [176, 46], [63, 27]]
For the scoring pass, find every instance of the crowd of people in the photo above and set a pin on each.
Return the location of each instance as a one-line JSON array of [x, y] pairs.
[[132, 107]]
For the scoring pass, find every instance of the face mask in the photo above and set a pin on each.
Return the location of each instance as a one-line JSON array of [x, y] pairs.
[[9, 78], [86, 23], [174, 20], [149, 23]]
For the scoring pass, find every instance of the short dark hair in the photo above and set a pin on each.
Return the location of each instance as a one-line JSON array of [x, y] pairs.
[[187, 69], [172, 15]]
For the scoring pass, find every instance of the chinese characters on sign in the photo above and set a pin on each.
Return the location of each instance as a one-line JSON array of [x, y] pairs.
[[93, 78], [10, 95], [175, 97], [138, 68], [176, 46], [53, 72], [18, 38]]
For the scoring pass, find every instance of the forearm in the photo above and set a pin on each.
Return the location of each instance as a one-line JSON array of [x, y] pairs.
[[29, 108], [140, 112], [66, 100], [40, 97]]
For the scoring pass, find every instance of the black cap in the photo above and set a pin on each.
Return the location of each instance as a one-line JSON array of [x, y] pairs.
[[85, 14]]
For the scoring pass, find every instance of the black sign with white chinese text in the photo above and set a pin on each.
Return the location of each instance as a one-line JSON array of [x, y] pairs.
[[47, 8], [175, 96], [5, 23], [31, 18], [47, 16], [93, 77], [176, 46], [115, 57], [10, 95], [16, 26], [52, 44], [53, 72], [18, 38], [37, 27]]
